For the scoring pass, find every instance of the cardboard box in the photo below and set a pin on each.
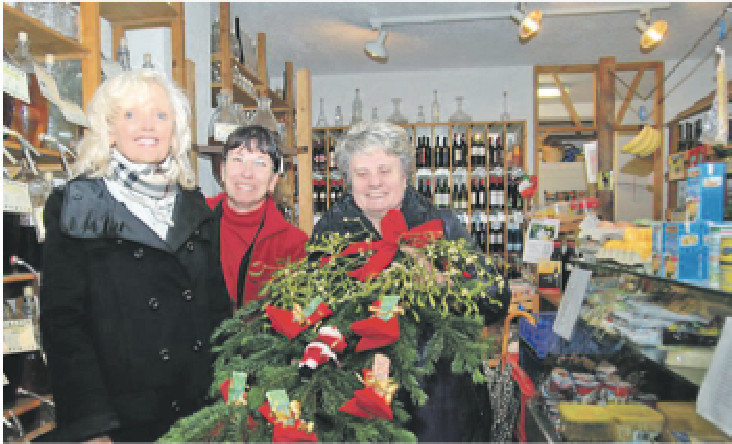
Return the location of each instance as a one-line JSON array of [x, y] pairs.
[[685, 255], [706, 192]]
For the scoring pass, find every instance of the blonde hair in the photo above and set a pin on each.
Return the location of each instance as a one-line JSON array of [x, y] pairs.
[[94, 151]]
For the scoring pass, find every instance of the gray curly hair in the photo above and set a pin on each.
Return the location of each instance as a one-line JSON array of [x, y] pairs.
[[367, 136], [94, 151]]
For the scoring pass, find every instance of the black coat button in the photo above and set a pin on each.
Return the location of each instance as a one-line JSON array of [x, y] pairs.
[[165, 354], [197, 233], [119, 241], [188, 295], [175, 406], [77, 196], [153, 303], [189, 245], [197, 346], [138, 253]]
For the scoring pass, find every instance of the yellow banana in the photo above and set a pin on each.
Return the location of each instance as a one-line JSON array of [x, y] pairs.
[[635, 142], [653, 144]]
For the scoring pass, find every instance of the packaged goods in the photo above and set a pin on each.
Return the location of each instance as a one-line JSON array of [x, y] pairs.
[[635, 423], [581, 422], [685, 256], [682, 424], [705, 192]]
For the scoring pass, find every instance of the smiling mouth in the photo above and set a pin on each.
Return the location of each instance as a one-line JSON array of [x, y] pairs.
[[245, 187], [376, 195], [147, 141]]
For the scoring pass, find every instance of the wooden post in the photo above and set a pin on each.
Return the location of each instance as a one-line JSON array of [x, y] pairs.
[[227, 75], [91, 65], [605, 114], [178, 38], [262, 63], [658, 157], [304, 145]]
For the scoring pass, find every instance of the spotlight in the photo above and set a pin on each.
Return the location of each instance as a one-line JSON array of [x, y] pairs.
[[529, 23], [653, 34], [376, 50]]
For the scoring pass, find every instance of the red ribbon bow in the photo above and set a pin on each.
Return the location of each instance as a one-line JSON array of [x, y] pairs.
[[284, 321], [394, 229], [367, 403]]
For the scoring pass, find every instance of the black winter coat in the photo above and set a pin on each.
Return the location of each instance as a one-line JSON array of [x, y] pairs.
[[126, 318], [457, 410]]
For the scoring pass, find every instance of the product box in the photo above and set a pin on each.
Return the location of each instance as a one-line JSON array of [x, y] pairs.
[[685, 255], [706, 192], [657, 249], [713, 241], [550, 276]]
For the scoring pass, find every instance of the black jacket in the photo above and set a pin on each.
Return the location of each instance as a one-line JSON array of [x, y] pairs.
[[126, 318], [455, 401]]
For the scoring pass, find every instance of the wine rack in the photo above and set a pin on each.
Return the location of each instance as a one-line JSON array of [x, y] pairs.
[[450, 174]]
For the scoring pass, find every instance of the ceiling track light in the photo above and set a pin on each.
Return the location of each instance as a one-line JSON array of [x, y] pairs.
[[376, 50], [529, 23], [652, 34]]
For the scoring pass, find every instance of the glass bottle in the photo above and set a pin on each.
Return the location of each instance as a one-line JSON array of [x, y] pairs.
[[28, 119], [123, 54], [235, 47], [420, 114], [357, 115], [57, 125], [396, 117], [241, 117], [504, 115], [338, 120], [322, 121], [459, 115], [264, 116], [223, 120], [216, 71], [435, 109], [374, 114], [147, 61], [215, 36]]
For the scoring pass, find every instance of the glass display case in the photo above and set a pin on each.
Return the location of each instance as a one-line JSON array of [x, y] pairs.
[[634, 364]]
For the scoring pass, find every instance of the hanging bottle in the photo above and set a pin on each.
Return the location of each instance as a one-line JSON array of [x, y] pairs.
[[147, 61], [374, 114], [215, 36], [435, 109], [504, 115], [459, 115], [396, 117], [338, 120], [322, 121], [123, 54], [57, 126], [357, 115], [420, 114]]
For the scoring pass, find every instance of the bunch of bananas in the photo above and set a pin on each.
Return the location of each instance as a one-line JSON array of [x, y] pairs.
[[645, 143]]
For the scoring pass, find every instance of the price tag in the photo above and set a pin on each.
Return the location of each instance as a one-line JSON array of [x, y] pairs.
[[15, 82], [312, 306], [386, 305], [16, 198], [279, 402], [18, 336], [569, 307], [238, 386], [381, 367]]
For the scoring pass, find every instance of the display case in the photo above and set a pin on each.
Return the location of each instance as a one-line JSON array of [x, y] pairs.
[[633, 367]]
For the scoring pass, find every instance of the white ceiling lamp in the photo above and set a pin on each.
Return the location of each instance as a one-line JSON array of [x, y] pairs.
[[547, 92], [529, 23], [376, 50], [653, 34]]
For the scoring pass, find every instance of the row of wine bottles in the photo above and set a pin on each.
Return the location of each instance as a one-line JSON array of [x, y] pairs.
[[324, 196], [324, 158], [502, 193], [459, 154], [490, 236]]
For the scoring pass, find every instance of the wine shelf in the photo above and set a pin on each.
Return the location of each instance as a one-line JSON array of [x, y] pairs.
[[44, 40], [17, 277]]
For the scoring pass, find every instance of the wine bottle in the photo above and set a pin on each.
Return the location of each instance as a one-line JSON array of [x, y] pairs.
[[332, 165], [463, 197], [428, 152], [438, 153], [237, 33], [464, 148], [499, 193], [499, 152], [455, 196], [428, 189], [457, 154], [491, 153], [481, 195], [473, 194]]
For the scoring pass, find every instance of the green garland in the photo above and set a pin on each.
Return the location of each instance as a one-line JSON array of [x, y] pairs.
[[248, 343]]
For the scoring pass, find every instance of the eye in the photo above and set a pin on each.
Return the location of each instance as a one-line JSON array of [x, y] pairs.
[[128, 114], [260, 163], [237, 159], [162, 115]]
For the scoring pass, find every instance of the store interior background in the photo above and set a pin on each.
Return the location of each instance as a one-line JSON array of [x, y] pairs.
[[482, 87]]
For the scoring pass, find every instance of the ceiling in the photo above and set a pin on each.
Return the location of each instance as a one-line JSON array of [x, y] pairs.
[[328, 37]]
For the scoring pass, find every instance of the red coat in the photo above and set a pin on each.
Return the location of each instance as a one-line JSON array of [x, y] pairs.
[[278, 240]]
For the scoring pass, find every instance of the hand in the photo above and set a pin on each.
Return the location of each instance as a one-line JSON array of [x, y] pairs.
[[440, 278], [103, 439]]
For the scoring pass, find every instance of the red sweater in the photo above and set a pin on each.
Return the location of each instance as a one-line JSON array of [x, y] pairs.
[[277, 240]]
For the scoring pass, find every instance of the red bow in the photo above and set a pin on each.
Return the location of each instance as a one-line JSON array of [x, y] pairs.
[[368, 402], [290, 323], [375, 331], [394, 229]]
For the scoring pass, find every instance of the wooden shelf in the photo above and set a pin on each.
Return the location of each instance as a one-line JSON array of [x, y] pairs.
[[42, 430], [142, 15], [43, 40], [17, 277], [47, 156], [24, 404]]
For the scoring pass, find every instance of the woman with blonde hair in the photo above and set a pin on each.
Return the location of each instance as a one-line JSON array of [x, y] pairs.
[[132, 287]]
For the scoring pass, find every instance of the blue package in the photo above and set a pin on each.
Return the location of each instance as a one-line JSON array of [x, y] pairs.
[[705, 192]]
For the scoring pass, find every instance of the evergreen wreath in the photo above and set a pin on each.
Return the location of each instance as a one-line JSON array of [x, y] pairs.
[[448, 315]]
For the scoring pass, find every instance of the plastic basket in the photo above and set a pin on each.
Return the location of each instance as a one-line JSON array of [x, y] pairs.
[[543, 341], [540, 338]]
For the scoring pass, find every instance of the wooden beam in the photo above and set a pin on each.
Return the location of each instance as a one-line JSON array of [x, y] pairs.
[[304, 160], [178, 38], [566, 128], [262, 63], [629, 95], [227, 74], [605, 113], [565, 69], [537, 142], [91, 66], [566, 100], [658, 157]]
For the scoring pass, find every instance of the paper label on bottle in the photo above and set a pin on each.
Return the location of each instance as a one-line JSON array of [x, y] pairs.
[[15, 82], [18, 336], [16, 198], [222, 131]]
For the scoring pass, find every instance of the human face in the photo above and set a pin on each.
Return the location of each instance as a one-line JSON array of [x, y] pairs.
[[378, 183], [247, 175], [143, 129]]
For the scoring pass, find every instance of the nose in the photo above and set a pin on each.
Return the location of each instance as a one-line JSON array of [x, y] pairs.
[[247, 169], [374, 181]]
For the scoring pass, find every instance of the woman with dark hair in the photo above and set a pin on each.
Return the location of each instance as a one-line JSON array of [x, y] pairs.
[[255, 237]]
